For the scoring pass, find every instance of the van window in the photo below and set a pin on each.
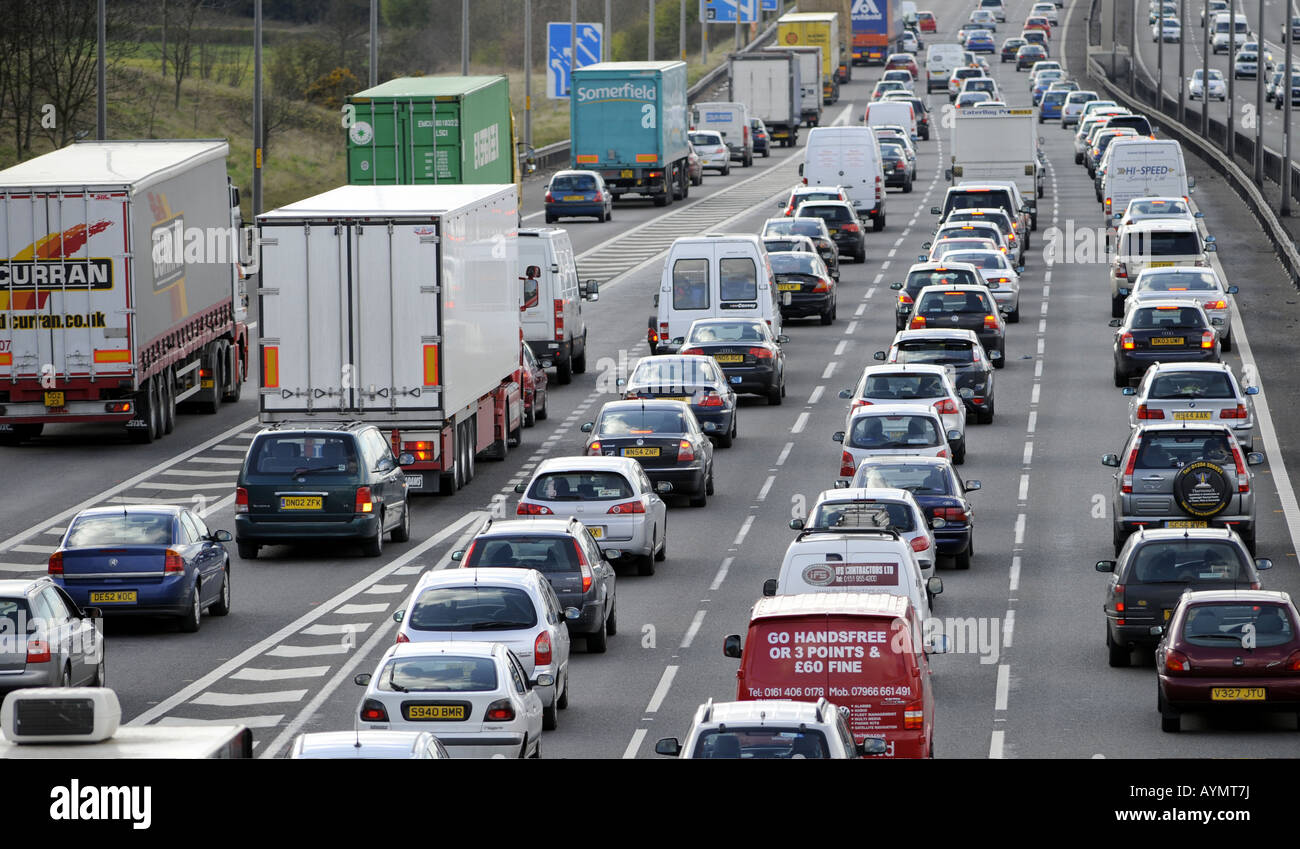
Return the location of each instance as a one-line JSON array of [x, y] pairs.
[[863, 514], [691, 284], [739, 279], [1161, 244], [530, 293]]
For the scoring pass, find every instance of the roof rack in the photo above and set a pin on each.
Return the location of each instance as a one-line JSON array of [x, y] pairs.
[[888, 533]]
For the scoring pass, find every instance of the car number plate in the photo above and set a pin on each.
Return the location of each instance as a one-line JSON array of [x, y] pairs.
[[415, 481], [574, 197], [625, 173], [114, 597], [435, 712], [686, 398], [787, 287], [1237, 694], [1188, 415], [302, 502], [735, 379], [832, 231], [596, 532], [1167, 341], [54, 399], [730, 358], [1187, 524], [640, 452], [1159, 264]]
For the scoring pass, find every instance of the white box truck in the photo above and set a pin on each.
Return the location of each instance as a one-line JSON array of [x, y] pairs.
[[996, 143], [397, 306], [732, 120], [1144, 167], [767, 81], [121, 294], [810, 80]]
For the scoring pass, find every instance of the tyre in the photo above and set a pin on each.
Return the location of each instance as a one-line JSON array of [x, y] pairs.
[[16, 434], [1014, 315], [907, 187], [145, 404], [1078, 159], [101, 670], [774, 396], [861, 256], [962, 559], [550, 219], [374, 546], [664, 199], [563, 701], [646, 566], [235, 375], [530, 413], [878, 223], [221, 606], [700, 500], [550, 717], [247, 550], [1118, 656], [598, 641], [959, 455], [564, 371], [662, 554], [543, 412], [611, 628], [1120, 379], [708, 487], [1249, 540], [726, 172], [402, 533], [1001, 362], [1170, 721], [167, 393], [1116, 306], [193, 617], [1117, 538], [580, 360], [212, 398], [724, 441], [826, 318], [1226, 343]]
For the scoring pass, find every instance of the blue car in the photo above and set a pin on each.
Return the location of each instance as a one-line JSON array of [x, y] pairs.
[[577, 194], [144, 560], [940, 492], [981, 42], [1051, 105]]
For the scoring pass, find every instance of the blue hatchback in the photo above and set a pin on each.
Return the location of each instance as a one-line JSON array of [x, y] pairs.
[[940, 492], [981, 42], [578, 193], [144, 560], [1051, 105]]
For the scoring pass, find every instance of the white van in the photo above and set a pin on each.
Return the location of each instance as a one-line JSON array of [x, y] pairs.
[[898, 112], [717, 275], [1143, 167], [551, 296], [848, 157], [940, 61], [730, 119]]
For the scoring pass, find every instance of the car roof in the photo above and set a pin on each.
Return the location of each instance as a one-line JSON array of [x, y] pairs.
[[20, 586], [489, 575], [866, 493], [648, 404], [133, 509], [894, 410], [575, 172], [504, 527], [1176, 427], [959, 287], [1162, 367], [1157, 303], [1201, 596], [936, 264], [935, 333], [895, 368], [360, 743], [424, 648], [820, 202], [762, 711], [581, 463], [1188, 534], [830, 604], [905, 460], [1161, 225]]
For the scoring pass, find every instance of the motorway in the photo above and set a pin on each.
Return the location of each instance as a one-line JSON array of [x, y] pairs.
[[1037, 685]]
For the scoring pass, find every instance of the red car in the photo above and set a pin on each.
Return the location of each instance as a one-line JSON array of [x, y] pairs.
[[903, 62], [925, 22], [1038, 22], [1235, 649], [534, 386]]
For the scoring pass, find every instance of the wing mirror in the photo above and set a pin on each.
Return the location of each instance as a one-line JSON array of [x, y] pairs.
[[926, 245], [954, 435], [1111, 460], [397, 616], [782, 339], [1254, 458], [972, 486], [221, 536], [934, 210], [458, 555], [587, 426], [934, 586], [572, 614], [406, 458], [995, 355], [1263, 563], [841, 484], [872, 746], [1128, 390], [896, 286], [731, 645], [837, 436], [1232, 290], [1115, 322], [938, 523], [846, 394], [1252, 390], [769, 587], [362, 680], [796, 524], [1216, 321], [1105, 566], [669, 746], [520, 487], [878, 355]]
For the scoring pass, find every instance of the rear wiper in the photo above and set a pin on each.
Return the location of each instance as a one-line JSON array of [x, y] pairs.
[[1234, 638], [498, 626], [392, 672], [306, 471]]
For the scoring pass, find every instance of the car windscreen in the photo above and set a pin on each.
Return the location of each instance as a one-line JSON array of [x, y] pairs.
[[893, 515], [573, 183], [936, 351], [1199, 561], [959, 301], [917, 479], [640, 422], [578, 486], [473, 608], [318, 455], [119, 529], [1176, 243], [1167, 318], [893, 432], [760, 743], [543, 553], [1190, 385], [1175, 449], [1228, 624], [442, 674], [794, 263]]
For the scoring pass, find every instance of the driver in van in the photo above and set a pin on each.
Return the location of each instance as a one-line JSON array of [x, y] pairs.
[[688, 294]]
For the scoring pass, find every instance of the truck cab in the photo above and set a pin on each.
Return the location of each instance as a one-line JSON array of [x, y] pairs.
[[551, 299]]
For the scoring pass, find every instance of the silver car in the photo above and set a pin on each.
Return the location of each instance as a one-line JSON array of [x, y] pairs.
[[925, 385], [367, 745], [1073, 106], [1199, 283], [46, 640], [1183, 475], [712, 150], [999, 275], [1194, 392]]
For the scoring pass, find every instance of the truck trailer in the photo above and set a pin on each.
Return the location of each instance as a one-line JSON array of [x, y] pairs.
[[996, 143], [767, 81], [810, 81], [121, 294], [815, 29], [397, 306], [877, 30]]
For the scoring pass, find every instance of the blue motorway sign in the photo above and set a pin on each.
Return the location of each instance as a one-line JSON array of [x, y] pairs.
[[724, 11], [557, 54]]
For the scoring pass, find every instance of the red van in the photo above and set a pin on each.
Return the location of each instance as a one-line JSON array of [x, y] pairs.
[[862, 651]]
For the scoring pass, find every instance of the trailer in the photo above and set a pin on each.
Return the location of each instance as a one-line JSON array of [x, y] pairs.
[[397, 306], [877, 30], [996, 143], [767, 81], [122, 298], [810, 81], [815, 29]]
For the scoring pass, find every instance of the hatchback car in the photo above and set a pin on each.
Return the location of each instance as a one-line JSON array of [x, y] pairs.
[[613, 498], [1051, 105], [476, 696], [1196, 85], [1010, 47], [1155, 567], [1038, 22], [1187, 282], [805, 284], [1002, 279], [1141, 209], [712, 150], [842, 224], [903, 62], [765, 730], [899, 75], [801, 193], [929, 274], [1016, 249], [695, 165], [897, 168], [981, 41], [47, 639], [940, 248], [812, 227], [750, 355], [758, 132], [919, 110], [144, 560], [792, 244], [534, 387], [962, 308], [1073, 106], [564, 551], [883, 430], [1184, 475], [578, 193], [367, 745], [697, 380], [959, 76], [663, 436], [515, 608], [1162, 331], [1029, 53], [926, 22], [1194, 392], [921, 384], [940, 492], [1229, 650], [321, 482], [960, 349]]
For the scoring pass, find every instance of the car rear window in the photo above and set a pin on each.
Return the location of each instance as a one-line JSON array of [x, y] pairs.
[[543, 553], [894, 432], [982, 259], [1175, 449], [706, 139], [1192, 561], [1167, 318], [904, 387], [781, 245], [1202, 281], [741, 331], [671, 373], [115, 529], [573, 183], [476, 608], [863, 514], [917, 479], [319, 455], [804, 197], [980, 200], [441, 674], [937, 352], [691, 284], [794, 264], [1157, 208], [1054, 98], [1226, 624], [578, 486], [826, 212], [15, 618], [640, 422], [967, 230], [938, 303], [812, 228], [918, 280], [738, 279], [763, 742], [1194, 384]]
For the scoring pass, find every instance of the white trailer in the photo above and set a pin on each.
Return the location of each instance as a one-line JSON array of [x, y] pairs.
[[810, 80], [397, 306], [767, 81], [996, 143]]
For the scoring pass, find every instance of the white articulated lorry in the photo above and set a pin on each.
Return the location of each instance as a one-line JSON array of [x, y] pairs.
[[397, 306], [121, 295]]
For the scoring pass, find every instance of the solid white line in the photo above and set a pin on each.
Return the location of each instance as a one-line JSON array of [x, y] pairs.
[[1024, 488], [799, 423], [1033, 421], [246, 699], [766, 488], [830, 369], [634, 744], [785, 452], [1015, 574], [227, 461], [744, 531], [995, 745], [1029, 453], [252, 673], [722, 574], [1020, 529], [816, 395], [217, 505], [1003, 688], [692, 631], [352, 628], [363, 609], [1008, 626], [661, 692], [43, 566]]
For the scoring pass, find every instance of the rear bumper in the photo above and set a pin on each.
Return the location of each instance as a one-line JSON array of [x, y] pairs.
[[280, 533], [1280, 693], [804, 304], [550, 350], [73, 412], [720, 417], [591, 621], [690, 480], [170, 597], [752, 379], [950, 542], [1136, 363], [565, 210], [35, 675], [1243, 525]]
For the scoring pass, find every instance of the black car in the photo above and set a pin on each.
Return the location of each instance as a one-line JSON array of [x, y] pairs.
[[750, 356], [1165, 332], [1155, 567], [321, 483], [1028, 54], [939, 492], [812, 227], [698, 381], [1009, 48], [663, 436], [805, 286], [758, 131], [957, 348], [930, 274], [567, 556], [842, 224], [893, 159], [962, 308]]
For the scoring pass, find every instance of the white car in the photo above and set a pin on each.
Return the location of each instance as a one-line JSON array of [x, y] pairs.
[[971, 230], [999, 275], [921, 384], [874, 507], [1043, 65], [910, 43], [1199, 283], [712, 150], [991, 215], [1174, 392], [475, 694], [612, 496], [368, 745], [942, 247], [1140, 209], [1172, 32], [889, 430], [1247, 65], [1075, 101], [899, 75], [1088, 123], [782, 729], [1045, 10], [514, 607]]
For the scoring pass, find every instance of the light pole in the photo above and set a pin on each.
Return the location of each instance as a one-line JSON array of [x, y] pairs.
[[1114, 38], [1132, 50], [528, 73], [257, 107], [1259, 103], [101, 98], [1205, 74], [464, 38], [573, 43], [681, 33], [650, 49], [1182, 61], [374, 43], [1287, 81], [1160, 57], [607, 35], [1232, 72]]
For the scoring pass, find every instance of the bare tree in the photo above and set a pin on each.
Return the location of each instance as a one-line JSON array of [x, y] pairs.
[[347, 26], [19, 58], [182, 48]]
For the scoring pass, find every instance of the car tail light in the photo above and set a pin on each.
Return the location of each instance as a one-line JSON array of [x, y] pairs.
[[663, 330], [846, 465], [823, 285], [241, 500], [527, 508], [594, 449], [990, 322], [713, 399], [582, 559], [920, 543], [1238, 413], [880, 188], [469, 555], [173, 562], [38, 651], [627, 507], [1207, 339], [542, 649], [692, 351], [943, 452], [917, 323], [56, 564], [860, 402], [550, 198], [500, 711], [373, 710], [950, 514], [1243, 483], [1176, 661], [1216, 305], [760, 353], [851, 228], [914, 716], [1126, 342], [904, 298], [1121, 270], [1126, 483], [1117, 597], [559, 319], [946, 407], [402, 638], [1293, 662], [365, 504], [1145, 412], [685, 453]]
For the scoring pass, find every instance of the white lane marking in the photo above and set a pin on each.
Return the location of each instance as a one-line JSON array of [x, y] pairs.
[[1034, 393], [1008, 626], [1029, 453], [898, 241], [309, 651], [240, 448], [409, 570], [36, 549], [891, 253], [1015, 574], [385, 589], [743, 532], [785, 452], [246, 721], [246, 699], [58, 532], [1033, 419], [879, 277], [721, 575], [830, 369], [228, 461], [319, 630], [206, 473], [995, 745], [692, 631], [253, 673], [1041, 345], [1038, 369], [860, 310], [853, 326], [185, 487], [1042, 322], [362, 609], [816, 395], [217, 506], [1042, 325], [839, 349], [328, 607], [871, 290], [634, 744], [1023, 495], [661, 691], [24, 567], [766, 488], [1003, 689], [884, 266], [1020, 529], [800, 422]]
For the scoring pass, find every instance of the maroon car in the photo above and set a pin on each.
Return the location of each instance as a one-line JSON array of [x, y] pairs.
[[1236, 649], [534, 386]]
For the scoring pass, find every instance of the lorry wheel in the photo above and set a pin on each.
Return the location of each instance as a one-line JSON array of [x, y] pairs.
[[168, 392], [564, 371], [211, 360]]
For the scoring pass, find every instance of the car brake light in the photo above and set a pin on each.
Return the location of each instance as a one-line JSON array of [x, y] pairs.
[[559, 319], [1238, 413], [823, 285], [56, 563], [920, 543], [692, 351], [1126, 341], [685, 453], [1207, 339], [527, 508], [1243, 483], [946, 407], [627, 507], [1121, 270], [1145, 412], [846, 465], [38, 651], [760, 353], [373, 711], [990, 322], [594, 448], [241, 500], [851, 228], [582, 559], [542, 649], [917, 322], [663, 330], [173, 562], [1176, 661], [904, 298], [500, 711], [550, 198], [402, 638], [914, 716], [1293, 662], [1216, 305], [861, 402], [1126, 484], [364, 504], [713, 399], [943, 452], [950, 514]]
